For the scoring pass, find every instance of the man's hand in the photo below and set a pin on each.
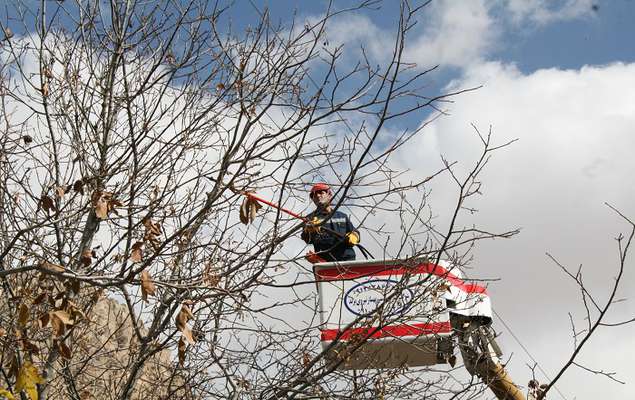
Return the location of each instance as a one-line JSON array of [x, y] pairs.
[[313, 226], [352, 238]]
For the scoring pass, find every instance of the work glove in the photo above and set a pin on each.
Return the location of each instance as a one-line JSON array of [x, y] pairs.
[[313, 226], [352, 238]]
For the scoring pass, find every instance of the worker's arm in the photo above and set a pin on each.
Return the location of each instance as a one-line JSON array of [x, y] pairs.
[[310, 229], [306, 236]]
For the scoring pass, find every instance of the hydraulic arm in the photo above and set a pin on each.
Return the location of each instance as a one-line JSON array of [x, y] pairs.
[[481, 356]]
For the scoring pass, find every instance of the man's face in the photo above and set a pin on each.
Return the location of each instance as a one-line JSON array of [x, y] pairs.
[[322, 198]]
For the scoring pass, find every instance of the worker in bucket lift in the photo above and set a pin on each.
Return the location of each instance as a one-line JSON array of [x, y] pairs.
[[331, 233]]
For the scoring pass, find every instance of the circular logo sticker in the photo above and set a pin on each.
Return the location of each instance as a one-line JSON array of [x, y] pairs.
[[364, 298]]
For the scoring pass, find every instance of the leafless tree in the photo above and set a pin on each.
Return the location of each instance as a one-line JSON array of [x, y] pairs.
[[596, 311], [131, 131]]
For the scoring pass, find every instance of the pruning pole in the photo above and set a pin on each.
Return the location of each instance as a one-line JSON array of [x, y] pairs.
[[274, 205]]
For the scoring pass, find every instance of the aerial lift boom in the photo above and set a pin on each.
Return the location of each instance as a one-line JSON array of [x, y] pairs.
[[481, 356]]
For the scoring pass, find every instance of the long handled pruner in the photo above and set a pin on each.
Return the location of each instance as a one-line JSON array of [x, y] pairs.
[[251, 205]]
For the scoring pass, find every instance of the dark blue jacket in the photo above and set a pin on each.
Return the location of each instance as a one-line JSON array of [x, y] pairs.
[[327, 244]]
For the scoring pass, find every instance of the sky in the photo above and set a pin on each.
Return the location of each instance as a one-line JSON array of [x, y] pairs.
[[558, 77]]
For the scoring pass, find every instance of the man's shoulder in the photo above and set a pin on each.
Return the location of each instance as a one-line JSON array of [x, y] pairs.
[[315, 213], [339, 217], [339, 214]]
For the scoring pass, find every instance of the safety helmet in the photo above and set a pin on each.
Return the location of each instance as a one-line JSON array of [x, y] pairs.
[[319, 187]]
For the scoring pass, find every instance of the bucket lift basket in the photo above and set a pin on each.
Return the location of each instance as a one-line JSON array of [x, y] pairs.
[[392, 313]]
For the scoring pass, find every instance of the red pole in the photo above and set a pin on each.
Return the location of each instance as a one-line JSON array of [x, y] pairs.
[[260, 199]]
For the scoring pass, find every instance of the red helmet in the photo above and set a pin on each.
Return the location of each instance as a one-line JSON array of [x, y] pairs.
[[319, 187]]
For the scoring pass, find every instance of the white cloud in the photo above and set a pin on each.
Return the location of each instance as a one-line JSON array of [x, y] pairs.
[[458, 34], [359, 30], [575, 131]]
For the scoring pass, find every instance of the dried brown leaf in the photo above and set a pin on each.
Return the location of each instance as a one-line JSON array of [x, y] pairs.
[[40, 298], [181, 350], [256, 204], [248, 210], [185, 308], [23, 314], [147, 286], [30, 347], [78, 314], [444, 287], [253, 209], [44, 319], [153, 228], [101, 208], [187, 333], [27, 139], [152, 231], [244, 211], [57, 325], [47, 203], [210, 275], [63, 316], [220, 86], [52, 267], [87, 257], [78, 186], [184, 315], [137, 252], [13, 366], [113, 204], [75, 285], [59, 191], [64, 350]]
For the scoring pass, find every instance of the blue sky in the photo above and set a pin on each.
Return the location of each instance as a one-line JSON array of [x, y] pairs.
[[597, 33], [600, 37]]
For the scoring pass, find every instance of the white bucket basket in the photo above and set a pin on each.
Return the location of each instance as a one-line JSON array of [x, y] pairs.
[[391, 313]]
